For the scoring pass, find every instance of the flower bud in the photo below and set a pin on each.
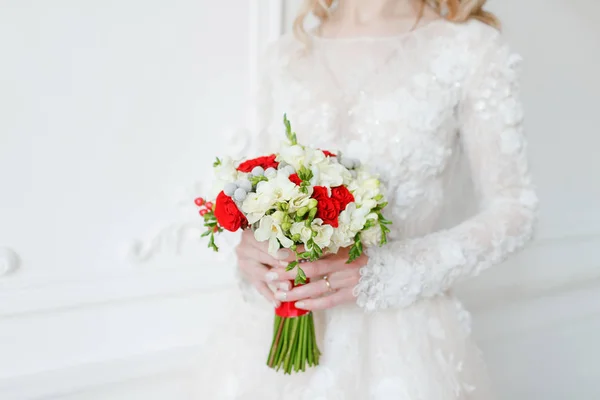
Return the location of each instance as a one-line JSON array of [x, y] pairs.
[[239, 194], [258, 171], [230, 188], [312, 213], [270, 172], [296, 238], [302, 211], [378, 197], [312, 203], [286, 226]]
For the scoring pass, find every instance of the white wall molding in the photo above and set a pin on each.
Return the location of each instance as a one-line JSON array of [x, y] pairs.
[[23, 298], [546, 268], [9, 261], [169, 238], [91, 376]]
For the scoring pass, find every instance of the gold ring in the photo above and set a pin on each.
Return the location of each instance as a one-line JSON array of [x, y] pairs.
[[326, 279]]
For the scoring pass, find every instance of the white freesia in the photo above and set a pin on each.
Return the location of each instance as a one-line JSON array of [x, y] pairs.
[[257, 204], [300, 228], [332, 174], [293, 155], [371, 236], [268, 194], [283, 188], [341, 238], [324, 233], [269, 229], [302, 200], [350, 221], [365, 187], [298, 156]]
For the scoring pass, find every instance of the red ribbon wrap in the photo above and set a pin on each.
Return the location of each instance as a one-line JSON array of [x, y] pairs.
[[287, 309]]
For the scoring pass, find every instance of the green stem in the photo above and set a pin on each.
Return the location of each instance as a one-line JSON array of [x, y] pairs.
[[282, 343], [288, 356], [276, 339], [299, 343], [310, 351], [316, 351], [305, 342]]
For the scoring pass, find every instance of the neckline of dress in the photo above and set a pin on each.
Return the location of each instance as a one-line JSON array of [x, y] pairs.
[[316, 37]]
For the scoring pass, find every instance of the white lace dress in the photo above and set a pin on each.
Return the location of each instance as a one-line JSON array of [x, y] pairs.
[[432, 111]]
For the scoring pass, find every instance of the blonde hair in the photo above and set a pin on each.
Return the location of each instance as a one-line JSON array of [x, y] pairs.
[[452, 10]]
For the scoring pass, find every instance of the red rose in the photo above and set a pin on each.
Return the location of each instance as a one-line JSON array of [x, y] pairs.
[[328, 209], [228, 215], [328, 153], [296, 179], [265, 162], [342, 195]]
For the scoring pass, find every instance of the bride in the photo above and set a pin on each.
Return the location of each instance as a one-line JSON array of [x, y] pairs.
[[426, 93]]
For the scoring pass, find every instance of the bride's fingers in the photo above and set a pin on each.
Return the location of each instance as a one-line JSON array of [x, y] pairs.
[[254, 253], [312, 289], [322, 303], [311, 269], [252, 269], [267, 293]]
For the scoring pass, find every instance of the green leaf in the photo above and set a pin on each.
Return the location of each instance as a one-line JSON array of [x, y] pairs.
[[305, 175], [217, 162], [369, 224], [205, 234], [256, 179], [356, 250], [211, 243], [300, 277], [291, 265], [381, 206], [291, 136]]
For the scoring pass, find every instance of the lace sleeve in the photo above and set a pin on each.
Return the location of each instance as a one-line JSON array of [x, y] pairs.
[[491, 133]]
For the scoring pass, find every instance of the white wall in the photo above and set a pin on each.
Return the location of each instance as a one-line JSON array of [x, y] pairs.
[[110, 110]]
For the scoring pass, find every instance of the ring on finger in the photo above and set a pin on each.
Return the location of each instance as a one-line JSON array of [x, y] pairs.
[[326, 279]]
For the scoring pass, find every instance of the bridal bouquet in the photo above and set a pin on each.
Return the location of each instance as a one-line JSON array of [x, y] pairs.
[[307, 200]]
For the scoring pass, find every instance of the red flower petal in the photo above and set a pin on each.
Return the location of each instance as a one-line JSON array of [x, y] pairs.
[[228, 215], [264, 162], [296, 179], [343, 196]]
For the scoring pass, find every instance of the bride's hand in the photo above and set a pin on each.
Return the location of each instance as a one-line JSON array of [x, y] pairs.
[[255, 262], [318, 295]]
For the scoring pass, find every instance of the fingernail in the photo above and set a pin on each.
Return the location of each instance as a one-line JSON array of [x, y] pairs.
[[280, 295], [285, 286], [271, 276], [284, 263], [300, 304], [282, 254], [276, 304]]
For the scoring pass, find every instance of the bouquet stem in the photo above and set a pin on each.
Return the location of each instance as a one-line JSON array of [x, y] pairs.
[[294, 344]]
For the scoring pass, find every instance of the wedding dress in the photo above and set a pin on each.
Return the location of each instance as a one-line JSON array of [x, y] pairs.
[[436, 113]]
